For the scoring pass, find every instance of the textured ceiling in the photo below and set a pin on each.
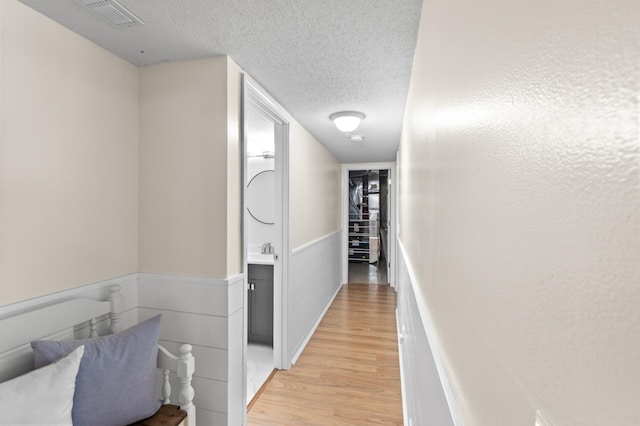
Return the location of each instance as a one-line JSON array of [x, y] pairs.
[[315, 57]]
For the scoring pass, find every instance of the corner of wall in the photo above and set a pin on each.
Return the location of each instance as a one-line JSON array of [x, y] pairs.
[[234, 168], [183, 168]]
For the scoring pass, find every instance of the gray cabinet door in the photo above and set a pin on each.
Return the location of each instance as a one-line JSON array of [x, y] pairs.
[[260, 304]]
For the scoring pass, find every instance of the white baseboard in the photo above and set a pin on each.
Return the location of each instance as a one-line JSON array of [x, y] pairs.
[[403, 382]]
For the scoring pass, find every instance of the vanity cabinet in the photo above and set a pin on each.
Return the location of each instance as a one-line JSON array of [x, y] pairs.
[[260, 304]]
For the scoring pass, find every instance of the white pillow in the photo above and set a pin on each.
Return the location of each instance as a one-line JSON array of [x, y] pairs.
[[43, 396]]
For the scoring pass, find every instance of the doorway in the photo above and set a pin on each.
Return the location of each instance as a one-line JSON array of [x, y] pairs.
[[368, 220], [368, 216], [265, 236]]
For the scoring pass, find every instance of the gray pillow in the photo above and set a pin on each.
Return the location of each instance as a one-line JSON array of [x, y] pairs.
[[115, 384]]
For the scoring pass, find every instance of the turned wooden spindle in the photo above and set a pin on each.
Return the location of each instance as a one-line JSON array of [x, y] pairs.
[[117, 306], [186, 367], [166, 387], [92, 328]]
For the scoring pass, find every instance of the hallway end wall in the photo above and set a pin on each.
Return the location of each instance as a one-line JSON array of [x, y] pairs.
[[519, 206]]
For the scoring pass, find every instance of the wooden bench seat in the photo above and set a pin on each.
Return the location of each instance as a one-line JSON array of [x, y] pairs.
[[167, 415]]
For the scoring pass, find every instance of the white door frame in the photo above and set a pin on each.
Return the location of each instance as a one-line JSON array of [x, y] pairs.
[[258, 98], [391, 261]]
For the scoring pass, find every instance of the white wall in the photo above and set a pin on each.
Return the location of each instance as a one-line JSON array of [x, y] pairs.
[[520, 205], [68, 159]]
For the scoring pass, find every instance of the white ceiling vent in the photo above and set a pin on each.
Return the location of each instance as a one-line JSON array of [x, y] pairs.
[[114, 12]]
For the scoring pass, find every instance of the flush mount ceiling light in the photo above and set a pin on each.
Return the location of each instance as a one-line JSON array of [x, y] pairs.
[[347, 121]]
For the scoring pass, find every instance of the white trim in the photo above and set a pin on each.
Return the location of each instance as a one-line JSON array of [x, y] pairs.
[[309, 335], [225, 282], [403, 382], [391, 273], [66, 294], [259, 98], [314, 242], [267, 99], [432, 337], [235, 278], [394, 229]]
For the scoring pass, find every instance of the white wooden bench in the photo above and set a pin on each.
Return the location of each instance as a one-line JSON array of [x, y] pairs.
[[76, 318]]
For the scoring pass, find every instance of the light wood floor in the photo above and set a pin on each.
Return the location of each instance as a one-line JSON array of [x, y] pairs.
[[348, 374]]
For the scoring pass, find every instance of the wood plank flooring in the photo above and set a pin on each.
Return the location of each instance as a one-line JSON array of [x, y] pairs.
[[348, 374]]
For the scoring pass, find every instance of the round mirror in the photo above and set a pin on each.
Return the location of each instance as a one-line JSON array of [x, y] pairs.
[[261, 191]]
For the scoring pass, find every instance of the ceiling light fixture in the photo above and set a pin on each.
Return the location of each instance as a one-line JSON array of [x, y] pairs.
[[347, 121]]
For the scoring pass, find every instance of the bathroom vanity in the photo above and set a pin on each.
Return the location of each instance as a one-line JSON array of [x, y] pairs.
[[260, 303]]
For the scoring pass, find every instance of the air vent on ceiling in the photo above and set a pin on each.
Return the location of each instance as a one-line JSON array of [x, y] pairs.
[[114, 12]]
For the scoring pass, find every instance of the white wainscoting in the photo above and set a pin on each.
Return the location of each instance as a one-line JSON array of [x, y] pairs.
[[206, 313], [314, 281], [427, 396], [19, 360]]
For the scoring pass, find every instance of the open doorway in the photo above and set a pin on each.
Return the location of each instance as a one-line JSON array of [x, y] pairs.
[[260, 232], [266, 236], [368, 200], [368, 216]]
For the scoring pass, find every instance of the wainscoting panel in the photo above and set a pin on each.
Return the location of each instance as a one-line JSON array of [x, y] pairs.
[[210, 362], [194, 295], [208, 314], [211, 418], [314, 280], [99, 291], [18, 360], [425, 389], [235, 379], [197, 329]]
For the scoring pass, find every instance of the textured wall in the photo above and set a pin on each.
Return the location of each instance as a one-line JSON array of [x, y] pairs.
[[315, 188], [520, 205], [68, 159]]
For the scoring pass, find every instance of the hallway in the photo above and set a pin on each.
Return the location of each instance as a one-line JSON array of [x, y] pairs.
[[348, 374], [367, 273]]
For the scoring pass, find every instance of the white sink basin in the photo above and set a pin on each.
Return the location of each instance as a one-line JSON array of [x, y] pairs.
[[260, 259]]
